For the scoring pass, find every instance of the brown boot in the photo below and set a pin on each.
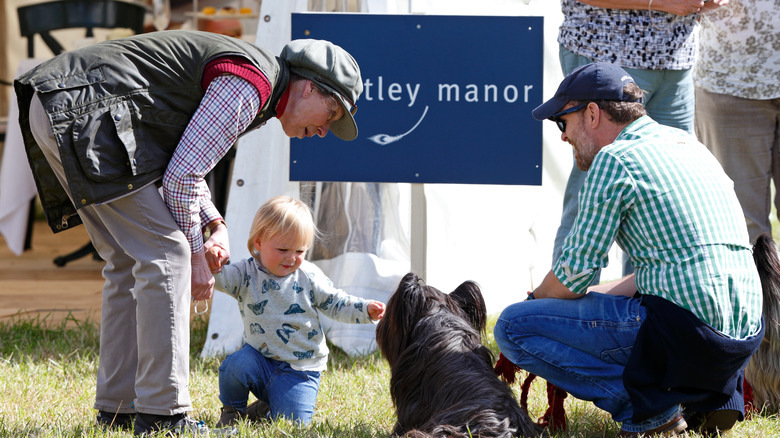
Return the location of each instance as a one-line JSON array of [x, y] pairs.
[[229, 417], [673, 427], [257, 411]]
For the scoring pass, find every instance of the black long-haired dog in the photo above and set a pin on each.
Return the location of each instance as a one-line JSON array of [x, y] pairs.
[[763, 370], [442, 381]]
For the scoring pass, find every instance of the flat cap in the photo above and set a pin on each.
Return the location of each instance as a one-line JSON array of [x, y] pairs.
[[333, 68]]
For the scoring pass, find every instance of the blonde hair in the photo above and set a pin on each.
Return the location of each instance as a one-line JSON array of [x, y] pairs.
[[282, 216]]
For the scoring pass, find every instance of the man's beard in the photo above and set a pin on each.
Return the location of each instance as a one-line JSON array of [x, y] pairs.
[[585, 152]]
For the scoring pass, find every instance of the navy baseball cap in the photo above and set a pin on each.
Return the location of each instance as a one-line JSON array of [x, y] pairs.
[[595, 81]]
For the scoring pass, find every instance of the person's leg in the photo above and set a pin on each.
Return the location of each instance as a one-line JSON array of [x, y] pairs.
[[144, 229], [775, 111], [147, 280], [242, 372], [115, 390], [118, 359], [669, 96], [743, 136], [292, 394], [580, 345]]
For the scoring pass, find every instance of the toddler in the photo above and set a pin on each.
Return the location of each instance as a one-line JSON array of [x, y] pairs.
[[280, 296]]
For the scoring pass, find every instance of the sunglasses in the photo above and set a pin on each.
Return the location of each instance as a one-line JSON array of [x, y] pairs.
[[562, 123]]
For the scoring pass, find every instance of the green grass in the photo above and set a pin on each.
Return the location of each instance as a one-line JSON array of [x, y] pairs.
[[47, 388]]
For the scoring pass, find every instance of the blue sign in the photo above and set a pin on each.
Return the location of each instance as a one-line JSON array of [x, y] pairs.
[[446, 99]]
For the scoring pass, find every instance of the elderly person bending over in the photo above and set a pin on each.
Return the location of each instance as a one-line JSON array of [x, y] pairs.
[[105, 125]]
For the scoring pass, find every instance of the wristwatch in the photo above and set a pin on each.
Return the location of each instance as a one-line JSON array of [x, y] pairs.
[[213, 225]]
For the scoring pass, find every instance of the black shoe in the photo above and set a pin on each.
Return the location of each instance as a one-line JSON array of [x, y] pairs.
[[713, 423], [179, 424], [109, 420]]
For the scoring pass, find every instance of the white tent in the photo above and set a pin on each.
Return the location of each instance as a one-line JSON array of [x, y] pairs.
[[499, 236]]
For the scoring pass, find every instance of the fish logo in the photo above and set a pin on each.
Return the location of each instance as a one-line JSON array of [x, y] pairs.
[[384, 139]]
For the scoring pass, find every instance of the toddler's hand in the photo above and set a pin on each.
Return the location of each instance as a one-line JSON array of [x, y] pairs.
[[216, 257], [217, 249], [376, 310]]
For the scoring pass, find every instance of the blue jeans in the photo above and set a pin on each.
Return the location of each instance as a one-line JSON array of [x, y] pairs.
[[580, 345], [290, 393], [669, 100]]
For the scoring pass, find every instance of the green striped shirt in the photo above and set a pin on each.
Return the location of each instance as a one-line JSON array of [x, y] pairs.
[[666, 201]]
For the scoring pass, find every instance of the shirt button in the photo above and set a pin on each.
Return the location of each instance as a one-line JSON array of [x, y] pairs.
[[61, 85], [130, 186], [117, 117], [83, 201]]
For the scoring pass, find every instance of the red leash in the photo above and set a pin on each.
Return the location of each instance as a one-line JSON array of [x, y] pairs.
[[750, 407], [555, 416]]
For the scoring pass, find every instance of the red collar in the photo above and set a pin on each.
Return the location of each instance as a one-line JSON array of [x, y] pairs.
[[282, 105]]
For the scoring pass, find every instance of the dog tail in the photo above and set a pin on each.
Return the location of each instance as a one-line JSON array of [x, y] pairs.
[[768, 265], [762, 370]]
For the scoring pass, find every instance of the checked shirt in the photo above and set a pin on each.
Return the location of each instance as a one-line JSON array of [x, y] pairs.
[[228, 107], [666, 201]]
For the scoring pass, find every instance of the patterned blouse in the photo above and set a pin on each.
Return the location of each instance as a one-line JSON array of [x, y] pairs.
[[667, 202], [631, 38], [739, 50]]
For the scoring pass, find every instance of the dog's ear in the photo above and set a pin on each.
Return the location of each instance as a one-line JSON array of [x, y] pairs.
[[393, 332], [469, 298]]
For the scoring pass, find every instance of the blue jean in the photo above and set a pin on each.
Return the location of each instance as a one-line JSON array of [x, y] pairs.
[[669, 100], [580, 345], [290, 393]]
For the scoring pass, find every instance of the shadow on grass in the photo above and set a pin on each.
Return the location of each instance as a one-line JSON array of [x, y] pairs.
[[36, 338]]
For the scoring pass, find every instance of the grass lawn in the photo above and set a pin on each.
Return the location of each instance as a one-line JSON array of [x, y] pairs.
[[47, 388]]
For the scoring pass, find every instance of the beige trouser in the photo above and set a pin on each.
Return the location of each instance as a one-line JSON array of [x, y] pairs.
[[144, 329], [744, 136]]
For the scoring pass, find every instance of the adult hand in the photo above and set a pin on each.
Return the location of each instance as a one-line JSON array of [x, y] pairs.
[[202, 280], [678, 7], [217, 249], [714, 4]]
